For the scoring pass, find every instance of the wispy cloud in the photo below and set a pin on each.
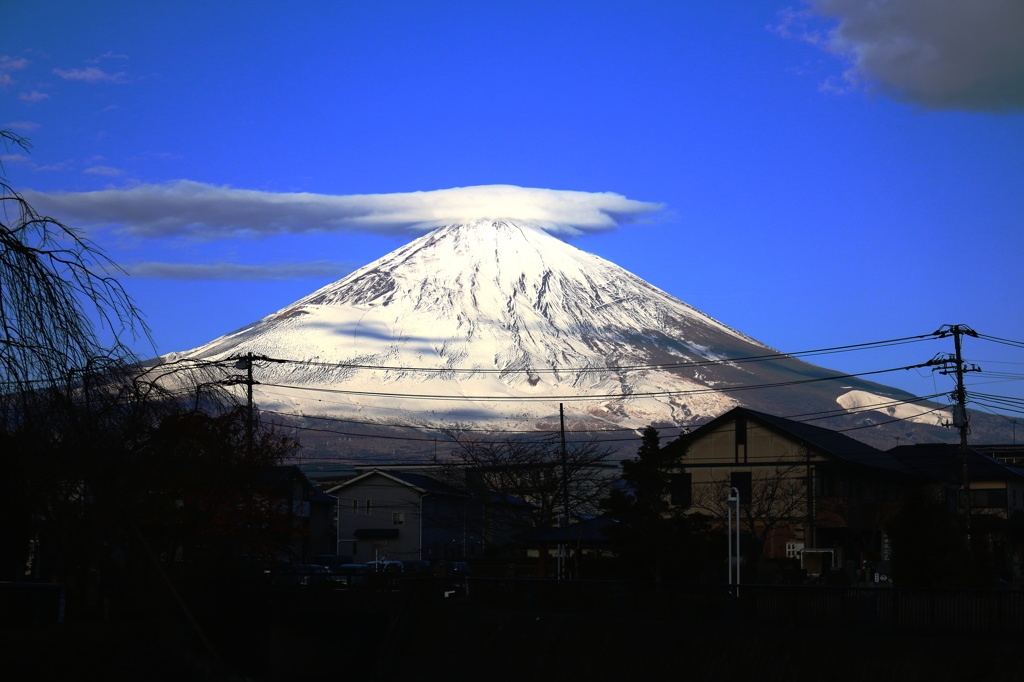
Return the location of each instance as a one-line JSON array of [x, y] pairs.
[[202, 211], [8, 64], [22, 126], [12, 63], [237, 272], [110, 54], [939, 54], [33, 96], [103, 170], [91, 74], [14, 158]]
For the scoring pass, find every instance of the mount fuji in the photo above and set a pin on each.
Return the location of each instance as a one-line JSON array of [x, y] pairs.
[[495, 323]]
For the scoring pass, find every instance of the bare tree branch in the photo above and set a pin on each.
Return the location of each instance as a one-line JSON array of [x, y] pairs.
[[57, 296]]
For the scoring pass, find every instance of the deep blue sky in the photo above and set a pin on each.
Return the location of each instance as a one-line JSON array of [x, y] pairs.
[[831, 173]]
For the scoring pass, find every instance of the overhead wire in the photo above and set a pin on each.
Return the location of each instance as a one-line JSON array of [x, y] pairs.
[[602, 396], [614, 368], [813, 416]]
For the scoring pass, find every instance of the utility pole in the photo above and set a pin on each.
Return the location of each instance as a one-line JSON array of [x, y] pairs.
[[246, 362], [947, 364], [562, 559]]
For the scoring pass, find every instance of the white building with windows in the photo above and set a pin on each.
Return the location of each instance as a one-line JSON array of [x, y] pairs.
[[406, 516]]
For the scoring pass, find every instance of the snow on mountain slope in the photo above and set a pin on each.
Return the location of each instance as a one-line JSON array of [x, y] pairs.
[[536, 316], [493, 324], [920, 414]]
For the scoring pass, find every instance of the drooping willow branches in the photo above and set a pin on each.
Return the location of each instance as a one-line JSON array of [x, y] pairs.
[[58, 296]]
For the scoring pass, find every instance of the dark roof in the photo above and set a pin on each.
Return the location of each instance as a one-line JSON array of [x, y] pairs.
[[422, 482], [816, 438], [589, 531], [429, 484], [327, 471], [940, 461]]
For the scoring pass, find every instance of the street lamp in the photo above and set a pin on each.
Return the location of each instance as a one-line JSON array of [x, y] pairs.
[[733, 503]]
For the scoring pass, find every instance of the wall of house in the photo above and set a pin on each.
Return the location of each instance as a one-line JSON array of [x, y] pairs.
[[778, 472], [452, 527], [377, 502], [744, 443]]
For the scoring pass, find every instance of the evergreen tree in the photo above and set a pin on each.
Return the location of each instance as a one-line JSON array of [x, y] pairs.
[[653, 536]]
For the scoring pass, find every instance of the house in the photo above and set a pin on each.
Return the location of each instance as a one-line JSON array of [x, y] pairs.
[[996, 496], [584, 543], [406, 516], [306, 509], [802, 488]]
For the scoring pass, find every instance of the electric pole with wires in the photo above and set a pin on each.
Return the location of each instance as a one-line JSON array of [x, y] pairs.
[[955, 365]]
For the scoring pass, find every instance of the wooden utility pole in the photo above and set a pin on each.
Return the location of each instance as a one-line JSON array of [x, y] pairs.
[[961, 418]]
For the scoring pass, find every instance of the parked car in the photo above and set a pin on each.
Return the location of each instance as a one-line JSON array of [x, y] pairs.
[[332, 561], [350, 576], [459, 568], [417, 568], [313, 575]]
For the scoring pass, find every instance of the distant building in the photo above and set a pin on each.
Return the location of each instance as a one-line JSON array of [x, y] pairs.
[[406, 516], [802, 487]]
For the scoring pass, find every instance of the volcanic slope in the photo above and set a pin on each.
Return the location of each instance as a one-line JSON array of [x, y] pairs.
[[494, 324]]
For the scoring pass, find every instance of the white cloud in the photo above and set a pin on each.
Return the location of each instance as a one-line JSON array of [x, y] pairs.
[[103, 170], [109, 54], [202, 211], [15, 158], [237, 272], [12, 63], [23, 126], [940, 54], [34, 96], [90, 74]]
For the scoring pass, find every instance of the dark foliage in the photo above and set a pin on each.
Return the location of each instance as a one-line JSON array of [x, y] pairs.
[[654, 537], [928, 548]]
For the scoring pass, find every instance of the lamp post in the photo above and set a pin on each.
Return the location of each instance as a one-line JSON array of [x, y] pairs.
[[733, 502]]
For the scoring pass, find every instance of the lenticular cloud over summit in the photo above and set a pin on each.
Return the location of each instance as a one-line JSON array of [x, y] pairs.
[[184, 208]]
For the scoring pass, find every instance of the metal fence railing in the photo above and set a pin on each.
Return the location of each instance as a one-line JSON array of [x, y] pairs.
[[996, 611]]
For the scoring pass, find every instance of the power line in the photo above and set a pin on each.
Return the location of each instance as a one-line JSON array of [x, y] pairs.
[[813, 416], [587, 369], [603, 396]]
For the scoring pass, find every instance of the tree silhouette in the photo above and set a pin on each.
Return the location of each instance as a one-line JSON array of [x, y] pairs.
[[57, 292], [109, 464], [653, 535]]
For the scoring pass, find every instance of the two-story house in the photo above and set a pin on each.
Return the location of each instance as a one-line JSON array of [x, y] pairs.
[[995, 500], [801, 487], [406, 516]]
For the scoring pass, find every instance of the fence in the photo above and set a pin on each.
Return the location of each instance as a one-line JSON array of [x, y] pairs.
[[999, 611], [31, 604]]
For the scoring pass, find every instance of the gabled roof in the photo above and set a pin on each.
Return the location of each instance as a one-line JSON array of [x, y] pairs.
[[941, 460], [421, 483], [816, 438]]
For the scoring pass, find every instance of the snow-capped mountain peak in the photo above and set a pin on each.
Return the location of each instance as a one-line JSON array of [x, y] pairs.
[[495, 323]]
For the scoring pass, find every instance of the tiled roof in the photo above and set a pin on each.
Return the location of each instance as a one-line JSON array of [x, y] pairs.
[[940, 460], [816, 438]]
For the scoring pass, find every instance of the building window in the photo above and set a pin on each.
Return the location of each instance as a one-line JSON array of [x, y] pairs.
[[355, 506], [367, 507], [743, 482], [680, 489], [397, 518], [989, 499]]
